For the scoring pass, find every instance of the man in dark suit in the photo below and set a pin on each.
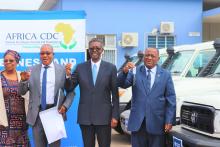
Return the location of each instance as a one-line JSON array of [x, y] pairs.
[[153, 105], [43, 84], [98, 108]]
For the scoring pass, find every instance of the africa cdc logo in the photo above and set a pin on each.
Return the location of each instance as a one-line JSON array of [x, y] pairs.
[[69, 42]]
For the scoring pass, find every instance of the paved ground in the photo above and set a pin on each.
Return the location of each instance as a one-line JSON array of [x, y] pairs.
[[119, 140]]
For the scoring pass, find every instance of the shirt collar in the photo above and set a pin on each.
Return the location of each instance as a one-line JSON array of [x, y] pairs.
[[50, 65], [153, 70], [97, 63]]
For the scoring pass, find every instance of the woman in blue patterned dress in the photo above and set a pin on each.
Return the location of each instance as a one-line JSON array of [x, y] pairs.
[[13, 127]]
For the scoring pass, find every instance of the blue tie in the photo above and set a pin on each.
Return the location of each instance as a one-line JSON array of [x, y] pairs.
[[44, 89], [148, 80], [94, 73]]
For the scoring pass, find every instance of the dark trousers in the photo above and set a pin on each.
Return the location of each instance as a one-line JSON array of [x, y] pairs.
[[40, 139], [142, 138], [90, 132]]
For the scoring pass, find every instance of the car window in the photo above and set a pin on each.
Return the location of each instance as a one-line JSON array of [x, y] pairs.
[[215, 72], [180, 61], [200, 62]]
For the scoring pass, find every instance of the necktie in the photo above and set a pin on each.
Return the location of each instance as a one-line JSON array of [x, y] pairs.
[[44, 89], [148, 80], [94, 73]]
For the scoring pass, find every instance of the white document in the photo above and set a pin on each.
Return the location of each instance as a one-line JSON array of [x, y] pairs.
[[53, 124]]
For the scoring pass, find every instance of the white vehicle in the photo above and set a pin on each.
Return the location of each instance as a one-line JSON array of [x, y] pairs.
[[200, 113], [187, 62]]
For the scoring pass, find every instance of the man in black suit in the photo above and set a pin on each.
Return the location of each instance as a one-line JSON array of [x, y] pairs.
[[98, 109]]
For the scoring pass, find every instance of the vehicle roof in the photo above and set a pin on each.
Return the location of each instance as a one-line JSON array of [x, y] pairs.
[[198, 46]]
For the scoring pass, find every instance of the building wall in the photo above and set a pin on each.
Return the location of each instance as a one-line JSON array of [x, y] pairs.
[[211, 31], [117, 16]]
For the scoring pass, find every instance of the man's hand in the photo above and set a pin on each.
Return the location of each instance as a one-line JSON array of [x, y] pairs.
[[68, 69], [128, 66], [168, 127], [62, 109], [25, 75], [114, 122]]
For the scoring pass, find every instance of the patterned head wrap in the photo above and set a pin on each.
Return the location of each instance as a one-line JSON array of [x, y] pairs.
[[14, 54]]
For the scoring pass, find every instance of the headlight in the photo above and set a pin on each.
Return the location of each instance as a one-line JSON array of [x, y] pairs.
[[217, 122], [179, 101]]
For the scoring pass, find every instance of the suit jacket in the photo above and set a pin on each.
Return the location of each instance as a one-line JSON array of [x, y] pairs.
[[34, 88], [3, 118], [98, 103], [157, 106]]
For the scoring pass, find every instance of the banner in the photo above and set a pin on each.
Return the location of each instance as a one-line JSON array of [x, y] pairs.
[[25, 32]]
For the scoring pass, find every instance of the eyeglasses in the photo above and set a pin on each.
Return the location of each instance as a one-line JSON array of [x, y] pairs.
[[97, 49], [45, 53], [9, 61]]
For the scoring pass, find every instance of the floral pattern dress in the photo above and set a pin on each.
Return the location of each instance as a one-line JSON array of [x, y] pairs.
[[15, 135]]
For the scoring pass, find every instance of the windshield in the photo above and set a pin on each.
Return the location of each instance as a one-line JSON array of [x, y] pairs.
[[216, 70], [162, 59], [200, 62], [179, 62]]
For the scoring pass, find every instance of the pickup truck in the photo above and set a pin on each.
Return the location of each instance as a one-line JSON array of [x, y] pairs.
[[200, 113]]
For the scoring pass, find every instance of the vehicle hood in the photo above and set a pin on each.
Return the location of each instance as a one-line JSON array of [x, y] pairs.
[[210, 99], [204, 91], [196, 86]]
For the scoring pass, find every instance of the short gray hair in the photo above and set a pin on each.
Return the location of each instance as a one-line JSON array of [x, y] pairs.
[[48, 46], [96, 40]]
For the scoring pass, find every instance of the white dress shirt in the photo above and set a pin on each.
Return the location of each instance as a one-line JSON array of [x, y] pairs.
[[50, 82]]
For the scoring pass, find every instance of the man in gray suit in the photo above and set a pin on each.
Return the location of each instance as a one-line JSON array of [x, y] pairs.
[[43, 84], [98, 108]]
